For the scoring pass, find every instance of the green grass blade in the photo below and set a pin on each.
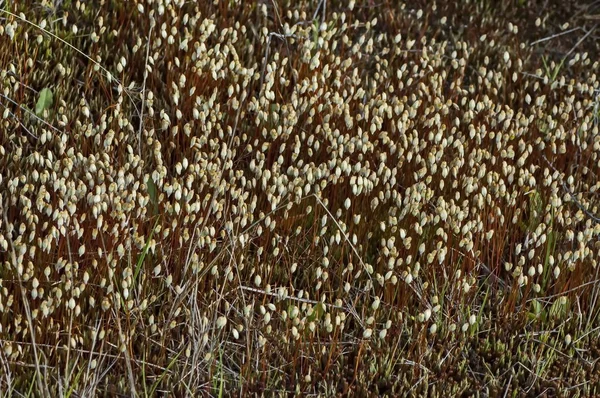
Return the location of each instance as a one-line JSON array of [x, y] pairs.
[[162, 376], [142, 256]]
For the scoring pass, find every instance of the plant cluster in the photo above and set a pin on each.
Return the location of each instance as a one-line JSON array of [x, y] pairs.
[[295, 197]]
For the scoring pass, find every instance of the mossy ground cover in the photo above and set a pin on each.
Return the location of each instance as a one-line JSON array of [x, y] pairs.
[[294, 198]]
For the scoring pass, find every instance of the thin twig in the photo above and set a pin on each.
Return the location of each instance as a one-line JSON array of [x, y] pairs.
[[572, 195], [554, 36], [581, 40], [286, 297], [322, 4], [507, 386], [346, 238], [20, 123], [30, 113]]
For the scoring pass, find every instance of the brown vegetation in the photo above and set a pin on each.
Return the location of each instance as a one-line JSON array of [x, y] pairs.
[[297, 197]]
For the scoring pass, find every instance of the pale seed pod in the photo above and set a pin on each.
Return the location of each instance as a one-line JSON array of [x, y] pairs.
[[221, 322], [472, 319]]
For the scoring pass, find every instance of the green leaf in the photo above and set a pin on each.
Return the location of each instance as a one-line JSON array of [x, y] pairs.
[[317, 312], [45, 101], [142, 256], [153, 192], [537, 310]]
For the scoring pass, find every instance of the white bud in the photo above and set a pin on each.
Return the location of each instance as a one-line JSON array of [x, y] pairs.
[[472, 319], [427, 314], [375, 304], [221, 322], [347, 203]]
